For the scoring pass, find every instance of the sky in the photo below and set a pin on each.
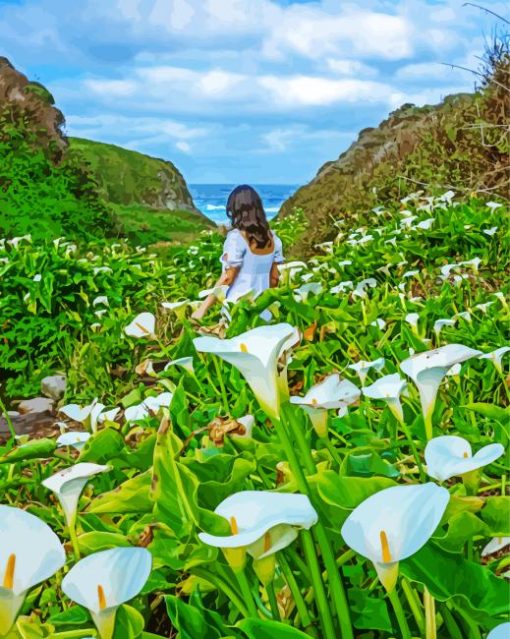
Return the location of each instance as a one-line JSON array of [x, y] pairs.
[[235, 91]]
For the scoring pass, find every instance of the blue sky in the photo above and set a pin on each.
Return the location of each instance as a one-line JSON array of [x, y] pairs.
[[260, 91]]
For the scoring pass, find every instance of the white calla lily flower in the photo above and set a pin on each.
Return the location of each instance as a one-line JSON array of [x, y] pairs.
[[450, 456], [76, 439], [184, 362], [341, 287], [255, 354], [332, 392], [503, 630], [362, 367], [105, 580], [394, 524], [388, 388], [101, 299], [495, 545], [248, 421], [262, 522], [68, 485], [144, 325], [379, 323], [496, 356], [428, 369], [30, 552], [87, 415], [412, 319], [150, 405], [441, 323], [219, 292], [302, 293]]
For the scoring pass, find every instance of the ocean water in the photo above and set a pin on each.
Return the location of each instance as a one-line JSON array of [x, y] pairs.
[[211, 199]]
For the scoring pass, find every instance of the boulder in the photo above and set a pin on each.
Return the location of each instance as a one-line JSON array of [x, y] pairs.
[[54, 386], [36, 405]]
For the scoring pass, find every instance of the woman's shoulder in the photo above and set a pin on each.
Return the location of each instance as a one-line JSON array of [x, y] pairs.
[[233, 234]]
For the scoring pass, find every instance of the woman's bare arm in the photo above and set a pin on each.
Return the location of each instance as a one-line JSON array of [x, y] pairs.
[[227, 279], [274, 276]]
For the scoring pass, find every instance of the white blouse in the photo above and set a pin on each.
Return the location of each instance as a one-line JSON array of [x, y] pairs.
[[254, 268]]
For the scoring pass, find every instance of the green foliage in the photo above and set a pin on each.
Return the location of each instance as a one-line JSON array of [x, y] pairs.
[[41, 197]]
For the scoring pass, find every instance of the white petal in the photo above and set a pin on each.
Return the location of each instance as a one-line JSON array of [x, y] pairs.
[[256, 512], [144, 325], [39, 552], [77, 439], [121, 572], [407, 514], [500, 632], [389, 386], [449, 455], [495, 545]]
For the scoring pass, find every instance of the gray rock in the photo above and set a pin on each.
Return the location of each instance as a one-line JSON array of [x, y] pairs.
[[36, 405], [54, 386]]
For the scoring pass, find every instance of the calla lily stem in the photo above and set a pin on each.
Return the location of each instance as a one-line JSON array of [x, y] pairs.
[[223, 584], [414, 605], [221, 382], [246, 593], [74, 539], [74, 634], [301, 606], [430, 615], [337, 588], [273, 601], [399, 614]]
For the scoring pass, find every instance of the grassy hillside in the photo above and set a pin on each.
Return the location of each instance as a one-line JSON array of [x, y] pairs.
[[52, 186], [461, 144]]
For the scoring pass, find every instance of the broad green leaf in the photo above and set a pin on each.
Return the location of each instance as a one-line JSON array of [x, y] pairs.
[[132, 496], [448, 575], [91, 542], [348, 492], [129, 623], [266, 629], [103, 446], [496, 514], [192, 622], [35, 449], [490, 410], [368, 611]]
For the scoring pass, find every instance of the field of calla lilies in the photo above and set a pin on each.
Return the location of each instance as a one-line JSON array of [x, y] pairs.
[[338, 472]]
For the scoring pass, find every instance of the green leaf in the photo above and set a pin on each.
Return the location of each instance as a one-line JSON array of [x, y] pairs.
[[448, 575], [91, 542], [368, 612], [348, 492], [192, 622], [35, 449], [129, 623], [103, 447], [266, 629], [490, 410], [132, 496], [496, 514]]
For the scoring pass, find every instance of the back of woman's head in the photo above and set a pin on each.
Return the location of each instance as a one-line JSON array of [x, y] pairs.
[[246, 213]]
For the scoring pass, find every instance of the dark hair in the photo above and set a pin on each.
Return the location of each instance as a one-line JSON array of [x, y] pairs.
[[246, 212]]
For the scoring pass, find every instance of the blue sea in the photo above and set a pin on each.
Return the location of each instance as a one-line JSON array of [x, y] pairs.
[[211, 199]]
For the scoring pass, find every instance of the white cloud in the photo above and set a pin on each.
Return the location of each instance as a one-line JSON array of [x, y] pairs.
[[350, 67], [183, 146], [305, 91]]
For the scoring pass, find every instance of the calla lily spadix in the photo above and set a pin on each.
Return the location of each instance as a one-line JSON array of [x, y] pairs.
[[68, 485], [500, 632], [388, 388], [332, 392], [362, 367], [255, 354], [393, 524], [496, 357], [428, 369], [105, 580], [30, 552], [144, 325], [449, 456], [262, 522]]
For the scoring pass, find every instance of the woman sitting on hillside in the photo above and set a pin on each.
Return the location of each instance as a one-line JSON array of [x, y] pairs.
[[251, 251]]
